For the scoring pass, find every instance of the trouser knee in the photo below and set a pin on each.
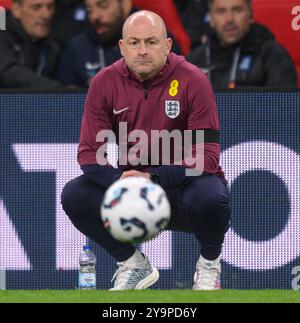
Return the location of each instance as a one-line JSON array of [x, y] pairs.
[[207, 195], [81, 200], [69, 196], [80, 196], [208, 206]]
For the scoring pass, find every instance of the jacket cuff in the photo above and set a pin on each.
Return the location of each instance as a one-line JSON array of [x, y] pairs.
[[101, 175], [169, 176]]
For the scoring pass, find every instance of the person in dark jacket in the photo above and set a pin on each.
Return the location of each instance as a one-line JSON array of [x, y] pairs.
[[29, 58], [69, 20], [97, 47], [241, 53], [194, 16]]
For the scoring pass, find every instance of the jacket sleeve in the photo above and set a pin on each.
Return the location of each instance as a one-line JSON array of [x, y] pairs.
[[202, 115], [103, 176], [280, 70], [15, 75], [169, 176], [92, 147]]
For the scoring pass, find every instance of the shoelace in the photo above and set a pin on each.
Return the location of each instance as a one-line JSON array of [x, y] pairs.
[[122, 274]]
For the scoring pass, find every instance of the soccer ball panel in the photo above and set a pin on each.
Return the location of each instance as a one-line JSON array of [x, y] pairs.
[[134, 209]]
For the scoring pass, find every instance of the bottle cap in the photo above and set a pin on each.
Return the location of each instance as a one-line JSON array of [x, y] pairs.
[[85, 248]]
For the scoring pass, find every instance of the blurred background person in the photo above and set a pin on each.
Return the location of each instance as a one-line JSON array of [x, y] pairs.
[[69, 20], [239, 52], [28, 56], [96, 47], [194, 17]]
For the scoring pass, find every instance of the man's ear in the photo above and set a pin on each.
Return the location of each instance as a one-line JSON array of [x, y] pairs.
[[16, 10], [121, 44], [169, 44]]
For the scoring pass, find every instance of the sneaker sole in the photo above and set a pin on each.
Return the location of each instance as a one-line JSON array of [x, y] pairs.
[[149, 280], [208, 288]]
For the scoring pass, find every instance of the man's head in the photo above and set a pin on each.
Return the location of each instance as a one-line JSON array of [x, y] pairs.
[[35, 16], [108, 17], [231, 19], [145, 45]]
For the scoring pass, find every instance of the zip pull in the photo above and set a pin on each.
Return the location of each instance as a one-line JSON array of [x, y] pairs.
[[146, 88]]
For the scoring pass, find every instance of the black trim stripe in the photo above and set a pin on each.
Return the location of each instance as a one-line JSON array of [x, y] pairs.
[[210, 136]]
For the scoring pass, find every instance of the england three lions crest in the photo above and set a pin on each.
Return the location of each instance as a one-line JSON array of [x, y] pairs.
[[172, 108]]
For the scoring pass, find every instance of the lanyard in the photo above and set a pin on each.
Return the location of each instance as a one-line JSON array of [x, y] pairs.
[[233, 69], [208, 59], [101, 57], [41, 62]]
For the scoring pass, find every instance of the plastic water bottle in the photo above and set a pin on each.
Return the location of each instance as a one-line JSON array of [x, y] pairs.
[[87, 270]]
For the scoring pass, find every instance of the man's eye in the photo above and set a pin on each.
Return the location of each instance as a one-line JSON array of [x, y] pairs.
[[36, 7], [220, 11], [238, 10]]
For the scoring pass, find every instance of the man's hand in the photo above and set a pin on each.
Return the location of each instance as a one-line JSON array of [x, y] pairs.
[[131, 173]]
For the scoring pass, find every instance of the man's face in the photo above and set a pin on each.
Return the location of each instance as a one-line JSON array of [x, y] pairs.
[[145, 48], [35, 16], [231, 19], [107, 17]]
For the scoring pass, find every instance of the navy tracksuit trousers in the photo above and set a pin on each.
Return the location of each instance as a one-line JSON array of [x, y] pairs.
[[201, 207]]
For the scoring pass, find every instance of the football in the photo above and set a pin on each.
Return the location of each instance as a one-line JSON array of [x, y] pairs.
[[135, 209]]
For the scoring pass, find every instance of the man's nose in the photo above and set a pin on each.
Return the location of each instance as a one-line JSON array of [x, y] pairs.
[[142, 48], [229, 16], [47, 13], [95, 16]]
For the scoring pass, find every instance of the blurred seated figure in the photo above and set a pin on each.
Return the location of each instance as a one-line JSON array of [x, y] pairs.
[[96, 47], [240, 53], [28, 56], [69, 20], [194, 16]]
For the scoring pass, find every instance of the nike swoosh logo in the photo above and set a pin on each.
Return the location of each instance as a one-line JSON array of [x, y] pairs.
[[120, 111]]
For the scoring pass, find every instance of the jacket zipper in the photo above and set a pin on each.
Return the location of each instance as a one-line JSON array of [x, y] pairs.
[[146, 89]]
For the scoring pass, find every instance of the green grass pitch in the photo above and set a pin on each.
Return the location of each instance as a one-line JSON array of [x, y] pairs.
[[149, 296]]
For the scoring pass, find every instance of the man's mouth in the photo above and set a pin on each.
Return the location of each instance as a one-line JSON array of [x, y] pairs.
[[143, 62], [230, 29], [42, 24], [100, 29]]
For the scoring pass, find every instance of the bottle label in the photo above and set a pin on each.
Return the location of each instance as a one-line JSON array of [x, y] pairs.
[[87, 280]]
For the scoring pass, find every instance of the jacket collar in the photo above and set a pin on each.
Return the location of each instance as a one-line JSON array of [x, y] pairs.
[[15, 26]]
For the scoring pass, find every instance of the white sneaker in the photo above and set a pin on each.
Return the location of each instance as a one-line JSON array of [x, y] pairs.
[[134, 276], [207, 275]]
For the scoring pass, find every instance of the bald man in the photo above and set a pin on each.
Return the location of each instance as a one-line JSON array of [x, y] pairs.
[[152, 89]]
